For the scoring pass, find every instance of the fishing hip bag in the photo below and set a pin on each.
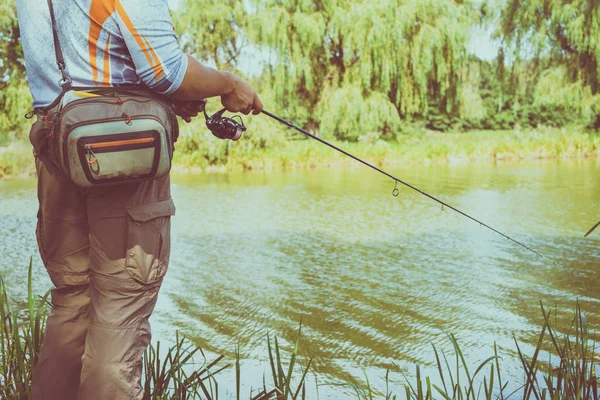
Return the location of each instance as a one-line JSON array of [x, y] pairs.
[[110, 137]]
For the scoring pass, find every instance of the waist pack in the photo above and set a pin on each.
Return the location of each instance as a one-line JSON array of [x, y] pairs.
[[106, 136]]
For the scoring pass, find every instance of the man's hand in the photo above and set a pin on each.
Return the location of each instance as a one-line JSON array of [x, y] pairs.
[[242, 98], [188, 109], [201, 82]]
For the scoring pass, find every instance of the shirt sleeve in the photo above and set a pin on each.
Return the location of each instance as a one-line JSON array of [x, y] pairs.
[[150, 37]]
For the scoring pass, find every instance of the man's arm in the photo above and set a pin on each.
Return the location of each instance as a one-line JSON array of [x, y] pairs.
[[201, 82], [148, 32]]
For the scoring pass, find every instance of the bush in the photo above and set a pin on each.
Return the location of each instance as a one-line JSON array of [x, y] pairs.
[[16, 160], [15, 102]]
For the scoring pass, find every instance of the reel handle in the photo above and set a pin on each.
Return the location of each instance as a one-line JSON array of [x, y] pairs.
[[190, 105]]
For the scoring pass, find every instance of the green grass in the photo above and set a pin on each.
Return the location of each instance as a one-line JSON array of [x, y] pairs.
[[419, 147], [183, 371], [16, 160], [21, 337], [268, 147]]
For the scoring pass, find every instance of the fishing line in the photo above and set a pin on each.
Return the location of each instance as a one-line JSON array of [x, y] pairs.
[[396, 191]]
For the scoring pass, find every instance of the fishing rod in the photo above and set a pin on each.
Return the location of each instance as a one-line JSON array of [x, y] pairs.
[[397, 180], [229, 128]]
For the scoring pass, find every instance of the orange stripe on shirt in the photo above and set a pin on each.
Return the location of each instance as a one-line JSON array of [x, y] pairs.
[[106, 79], [157, 67], [147, 49], [100, 10]]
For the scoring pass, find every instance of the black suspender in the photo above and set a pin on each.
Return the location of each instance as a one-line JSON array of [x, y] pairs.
[[65, 82]]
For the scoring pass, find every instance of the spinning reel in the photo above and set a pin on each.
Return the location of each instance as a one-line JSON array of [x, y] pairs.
[[224, 127]]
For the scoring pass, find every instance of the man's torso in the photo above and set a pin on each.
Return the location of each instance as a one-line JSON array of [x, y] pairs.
[[96, 37]]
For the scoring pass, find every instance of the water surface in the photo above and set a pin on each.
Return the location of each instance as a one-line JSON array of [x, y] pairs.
[[373, 278]]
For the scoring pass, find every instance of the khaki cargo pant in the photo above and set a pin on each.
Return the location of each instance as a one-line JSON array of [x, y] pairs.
[[106, 251]]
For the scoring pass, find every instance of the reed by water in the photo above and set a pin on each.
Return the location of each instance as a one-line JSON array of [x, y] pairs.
[[183, 371], [271, 149]]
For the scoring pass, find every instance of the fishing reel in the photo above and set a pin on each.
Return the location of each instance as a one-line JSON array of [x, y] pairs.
[[224, 127]]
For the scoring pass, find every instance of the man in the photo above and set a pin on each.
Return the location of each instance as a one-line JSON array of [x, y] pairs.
[[105, 289]]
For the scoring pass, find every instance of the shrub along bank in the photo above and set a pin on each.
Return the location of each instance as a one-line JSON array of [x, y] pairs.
[[268, 147]]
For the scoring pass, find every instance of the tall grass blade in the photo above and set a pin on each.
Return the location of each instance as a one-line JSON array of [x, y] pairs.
[[238, 376], [272, 363], [439, 367], [498, 372], [292, 362], [303, 379]]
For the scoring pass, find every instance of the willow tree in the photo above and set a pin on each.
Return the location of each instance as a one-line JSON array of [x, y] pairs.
[[560, 43], [14, 95], [213, 31], [364, 63]]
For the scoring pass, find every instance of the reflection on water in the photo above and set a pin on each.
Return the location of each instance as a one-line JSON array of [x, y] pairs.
[[373, 278]]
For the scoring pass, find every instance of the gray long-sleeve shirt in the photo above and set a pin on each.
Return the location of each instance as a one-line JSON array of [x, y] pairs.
[[104, 42]]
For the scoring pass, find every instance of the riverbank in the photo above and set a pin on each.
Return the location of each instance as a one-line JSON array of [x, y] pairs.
[[272, 151]]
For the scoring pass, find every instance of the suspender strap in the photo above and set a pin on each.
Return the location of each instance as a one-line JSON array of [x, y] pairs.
[[65, 82]]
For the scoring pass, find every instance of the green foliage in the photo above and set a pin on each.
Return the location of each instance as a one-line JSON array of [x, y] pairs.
[[414, 146], [197, 147], [403, 52], [472, 108], [15, 99], [15, 102], [456, 380], [12, 66], [557, 33], [555, 47], [366, 71], [346, 115], [566, 102], [20, 341], [569, 374], [16, 159], [212, 31], [178, 374], [575, 375]]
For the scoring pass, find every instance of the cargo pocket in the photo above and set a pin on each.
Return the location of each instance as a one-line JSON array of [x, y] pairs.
[[148, 241], [39, 136]]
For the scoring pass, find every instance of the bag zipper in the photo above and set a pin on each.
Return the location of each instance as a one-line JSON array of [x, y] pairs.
[[114, 119], [118, 143], [107, 100]]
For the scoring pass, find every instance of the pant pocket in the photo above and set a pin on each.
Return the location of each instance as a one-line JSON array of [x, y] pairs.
[[149, 241], [39, 136]]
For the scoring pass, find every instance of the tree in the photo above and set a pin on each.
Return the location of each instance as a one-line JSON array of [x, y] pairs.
[[560, 42], [402, 53], [12, 65], [15, 100], [214, 30]]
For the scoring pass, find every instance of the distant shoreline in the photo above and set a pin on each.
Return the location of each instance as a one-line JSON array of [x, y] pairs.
[[418, 148]]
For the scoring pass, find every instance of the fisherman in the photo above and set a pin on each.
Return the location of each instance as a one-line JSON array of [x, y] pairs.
[[98, 328]]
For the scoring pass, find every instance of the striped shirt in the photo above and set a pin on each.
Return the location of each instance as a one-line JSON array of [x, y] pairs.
[[104, 42]]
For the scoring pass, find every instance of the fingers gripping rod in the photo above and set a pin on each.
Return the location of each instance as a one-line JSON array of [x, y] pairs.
[[397, 180]]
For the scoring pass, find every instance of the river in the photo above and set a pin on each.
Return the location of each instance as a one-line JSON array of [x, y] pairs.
[[374, 278]]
